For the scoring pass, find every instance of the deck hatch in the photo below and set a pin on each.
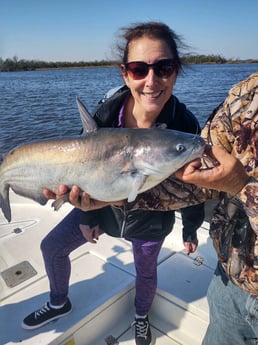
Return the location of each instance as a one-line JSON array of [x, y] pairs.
[[17, 274], [110, 340]]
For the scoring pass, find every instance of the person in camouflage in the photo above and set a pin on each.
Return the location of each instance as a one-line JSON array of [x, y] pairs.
[[233, 292]]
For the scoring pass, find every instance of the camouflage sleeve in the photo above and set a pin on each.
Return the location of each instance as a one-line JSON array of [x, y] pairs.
[[172, 194]]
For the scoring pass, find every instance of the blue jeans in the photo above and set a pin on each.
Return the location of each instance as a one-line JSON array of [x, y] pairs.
[[233, 313], [67, 236]]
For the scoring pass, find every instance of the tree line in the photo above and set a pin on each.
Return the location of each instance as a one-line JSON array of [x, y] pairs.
[[15, 64]]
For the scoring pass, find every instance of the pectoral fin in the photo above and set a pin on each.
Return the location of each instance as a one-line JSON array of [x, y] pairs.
[[139, 181]]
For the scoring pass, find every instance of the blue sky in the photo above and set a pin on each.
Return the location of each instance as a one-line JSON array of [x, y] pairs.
[[62, 30]]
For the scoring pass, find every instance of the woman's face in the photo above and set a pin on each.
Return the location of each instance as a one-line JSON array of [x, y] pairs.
[[152, 92]]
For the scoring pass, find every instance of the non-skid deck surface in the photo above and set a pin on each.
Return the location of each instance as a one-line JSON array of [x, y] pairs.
[[102, 285]]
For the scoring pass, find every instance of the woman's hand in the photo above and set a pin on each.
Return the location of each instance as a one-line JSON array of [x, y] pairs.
[[78, 198], [227, 175], [90, 234], [190, 247]]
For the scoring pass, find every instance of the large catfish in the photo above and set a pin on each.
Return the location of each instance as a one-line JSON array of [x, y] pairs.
[[108, 163]]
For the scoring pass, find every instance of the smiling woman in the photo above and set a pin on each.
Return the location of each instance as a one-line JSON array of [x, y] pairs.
[[150, 66]]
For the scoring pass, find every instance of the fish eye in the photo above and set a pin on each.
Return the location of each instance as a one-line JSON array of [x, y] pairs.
[[180, 147]]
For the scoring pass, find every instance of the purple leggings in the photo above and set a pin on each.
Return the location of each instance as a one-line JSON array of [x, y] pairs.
[[67, 236]]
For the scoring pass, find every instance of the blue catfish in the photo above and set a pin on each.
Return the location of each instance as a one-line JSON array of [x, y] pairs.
[[110, 164]]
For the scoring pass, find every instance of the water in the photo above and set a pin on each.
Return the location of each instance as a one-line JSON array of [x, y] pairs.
[[41, 104]]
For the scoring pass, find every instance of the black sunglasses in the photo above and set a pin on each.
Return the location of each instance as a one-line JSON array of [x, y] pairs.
[[162, 69]]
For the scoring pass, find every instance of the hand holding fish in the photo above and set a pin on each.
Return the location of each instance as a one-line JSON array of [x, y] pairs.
[[78, 198], [228, 175]]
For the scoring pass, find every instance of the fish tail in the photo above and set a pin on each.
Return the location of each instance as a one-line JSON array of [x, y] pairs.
[[4, 201]]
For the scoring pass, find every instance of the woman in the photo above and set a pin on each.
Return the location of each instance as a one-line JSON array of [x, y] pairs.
[[150, 68]]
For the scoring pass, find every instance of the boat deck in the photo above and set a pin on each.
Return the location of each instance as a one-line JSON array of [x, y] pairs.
[[101, 287]]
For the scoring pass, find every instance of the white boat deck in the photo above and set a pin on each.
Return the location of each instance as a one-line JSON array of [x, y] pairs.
[[101, 287]]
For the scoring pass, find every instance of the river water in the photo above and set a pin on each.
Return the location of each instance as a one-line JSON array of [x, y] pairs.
[[41, 104]]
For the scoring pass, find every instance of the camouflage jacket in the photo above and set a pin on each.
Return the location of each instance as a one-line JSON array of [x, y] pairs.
[[234, 225]]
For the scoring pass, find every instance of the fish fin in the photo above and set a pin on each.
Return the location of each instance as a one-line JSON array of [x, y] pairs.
[[60, 201], [88, 123], [139, 181], [5, 202]]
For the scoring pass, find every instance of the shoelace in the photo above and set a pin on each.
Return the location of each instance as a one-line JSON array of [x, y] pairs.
[[42, 310], [141, 328]]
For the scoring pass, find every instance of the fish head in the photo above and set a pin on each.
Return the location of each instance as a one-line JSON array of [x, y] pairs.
[[164, 151]]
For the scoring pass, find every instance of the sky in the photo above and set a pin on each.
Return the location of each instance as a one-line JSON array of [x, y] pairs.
[[85, 30]]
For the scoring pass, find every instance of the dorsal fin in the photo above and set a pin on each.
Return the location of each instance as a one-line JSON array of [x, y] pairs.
[[88, 123]]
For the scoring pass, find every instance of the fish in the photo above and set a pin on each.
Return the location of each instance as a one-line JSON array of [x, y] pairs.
[[110, 164]]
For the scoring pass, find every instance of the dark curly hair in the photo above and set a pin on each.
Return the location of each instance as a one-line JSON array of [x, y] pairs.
[[156, 30]]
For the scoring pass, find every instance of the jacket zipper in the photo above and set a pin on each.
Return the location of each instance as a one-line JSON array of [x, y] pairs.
[[124, 222]]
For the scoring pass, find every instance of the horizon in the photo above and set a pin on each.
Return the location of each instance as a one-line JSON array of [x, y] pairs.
[[255, 60]]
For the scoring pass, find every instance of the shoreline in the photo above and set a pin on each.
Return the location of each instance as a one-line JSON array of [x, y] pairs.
[[26, 66]]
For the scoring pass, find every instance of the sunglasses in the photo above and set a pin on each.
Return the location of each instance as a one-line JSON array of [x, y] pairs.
[[139, 69]]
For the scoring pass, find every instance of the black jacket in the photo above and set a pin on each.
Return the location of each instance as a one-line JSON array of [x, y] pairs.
[[145, 225]]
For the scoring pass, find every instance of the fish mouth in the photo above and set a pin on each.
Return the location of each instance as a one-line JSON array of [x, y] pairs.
[[199, 154], [208, 159], [152, 95]]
